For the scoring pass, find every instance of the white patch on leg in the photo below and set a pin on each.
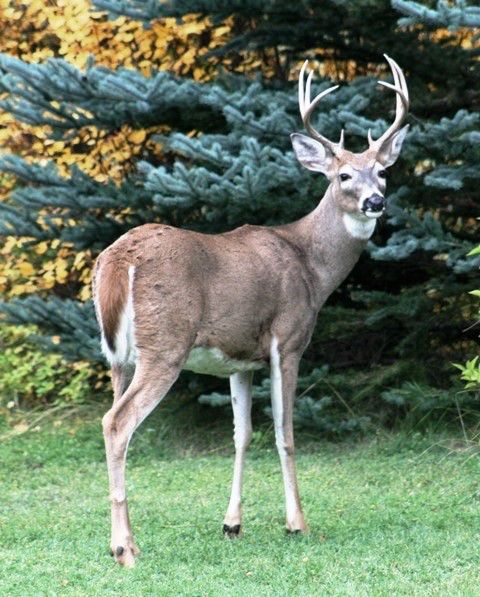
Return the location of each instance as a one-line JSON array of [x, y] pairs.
[[118, 495], [292, 506], [277, 396], [125, 348], [241, 401], [240, 388]]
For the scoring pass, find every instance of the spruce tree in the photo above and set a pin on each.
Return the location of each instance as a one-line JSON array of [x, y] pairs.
[[227, 160]]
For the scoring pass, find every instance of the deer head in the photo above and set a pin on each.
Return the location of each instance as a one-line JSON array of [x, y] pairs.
[[358, 180]]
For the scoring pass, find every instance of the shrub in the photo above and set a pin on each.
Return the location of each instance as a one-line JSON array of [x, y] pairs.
[[470, 372], [29, 376]]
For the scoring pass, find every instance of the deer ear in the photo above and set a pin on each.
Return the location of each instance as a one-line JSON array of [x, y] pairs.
[[312, 154], [390, 149]]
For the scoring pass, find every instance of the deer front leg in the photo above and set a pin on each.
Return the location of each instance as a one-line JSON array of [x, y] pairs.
[[241, 392], [284, 372]]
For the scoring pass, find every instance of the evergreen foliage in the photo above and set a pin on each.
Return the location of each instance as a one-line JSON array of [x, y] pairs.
[[445, 15], [403, 303]]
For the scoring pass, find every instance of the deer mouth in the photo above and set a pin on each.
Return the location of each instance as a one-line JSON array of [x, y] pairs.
[[369, 213]]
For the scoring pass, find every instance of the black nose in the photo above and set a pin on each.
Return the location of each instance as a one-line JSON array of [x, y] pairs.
[[374, 203]]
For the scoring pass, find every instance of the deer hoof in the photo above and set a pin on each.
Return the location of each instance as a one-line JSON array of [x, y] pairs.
[[231, 531], [125, 555], [294, 532]]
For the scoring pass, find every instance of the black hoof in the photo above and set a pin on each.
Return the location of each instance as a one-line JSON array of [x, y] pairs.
[[231, 531], [294, 532], [119, 551]]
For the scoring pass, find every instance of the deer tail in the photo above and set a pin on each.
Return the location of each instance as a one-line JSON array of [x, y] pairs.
[[113, 298]]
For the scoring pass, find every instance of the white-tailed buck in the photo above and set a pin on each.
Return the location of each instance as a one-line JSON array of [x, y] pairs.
[[169, 299]]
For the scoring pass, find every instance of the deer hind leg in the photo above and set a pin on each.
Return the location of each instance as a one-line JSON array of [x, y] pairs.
[[122, 376], [283, 381], [241, 391], [147, 388]]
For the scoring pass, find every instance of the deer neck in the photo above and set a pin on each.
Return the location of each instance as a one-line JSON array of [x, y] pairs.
[[332, 242]]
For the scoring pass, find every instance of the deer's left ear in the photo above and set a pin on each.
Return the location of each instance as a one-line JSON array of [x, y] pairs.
[[312, 154], [390, 149]]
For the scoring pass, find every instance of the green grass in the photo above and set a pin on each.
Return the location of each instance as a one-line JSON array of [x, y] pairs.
[[394, 515]]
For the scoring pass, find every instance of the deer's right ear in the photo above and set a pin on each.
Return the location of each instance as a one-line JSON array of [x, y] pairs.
[[312, 154]]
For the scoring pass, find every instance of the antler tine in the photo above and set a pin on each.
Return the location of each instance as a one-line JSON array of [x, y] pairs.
[[400, 82], [307, 107], [401, 105], [397, 82], [301, 92], [401, 76]]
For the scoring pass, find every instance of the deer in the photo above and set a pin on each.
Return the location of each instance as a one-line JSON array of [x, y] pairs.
[[169, 299]]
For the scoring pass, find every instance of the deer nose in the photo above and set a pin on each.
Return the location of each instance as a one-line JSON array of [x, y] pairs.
[[374, 203]]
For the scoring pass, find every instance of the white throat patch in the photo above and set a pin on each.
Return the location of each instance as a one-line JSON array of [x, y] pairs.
[[360, 227]]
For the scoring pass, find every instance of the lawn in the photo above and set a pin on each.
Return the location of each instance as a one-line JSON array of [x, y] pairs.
[[392, 514]]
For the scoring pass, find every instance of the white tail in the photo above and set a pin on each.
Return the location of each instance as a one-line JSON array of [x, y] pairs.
[[123, 349], [227, 304]]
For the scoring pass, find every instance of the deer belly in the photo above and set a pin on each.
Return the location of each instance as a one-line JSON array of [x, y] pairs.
[[212, 361]]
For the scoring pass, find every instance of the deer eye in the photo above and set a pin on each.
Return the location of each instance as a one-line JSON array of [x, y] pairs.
[[382, 174], [345, 176]]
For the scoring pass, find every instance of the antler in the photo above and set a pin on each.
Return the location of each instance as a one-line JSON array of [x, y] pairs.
[[307, 107], [402, 104]]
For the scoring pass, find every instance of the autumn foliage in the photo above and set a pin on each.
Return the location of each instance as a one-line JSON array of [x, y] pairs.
[[38, 30]]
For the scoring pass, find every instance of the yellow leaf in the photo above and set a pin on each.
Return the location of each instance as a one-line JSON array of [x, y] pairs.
[[11, 243], [220, 31], [85, 293], [61, 270], [105, 148], [41, 248], [124, 37], [57, 22], [137, 136], [188, 58], [26, 268], [18, 289], [11, 14], [79, 260], [194, 27]]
